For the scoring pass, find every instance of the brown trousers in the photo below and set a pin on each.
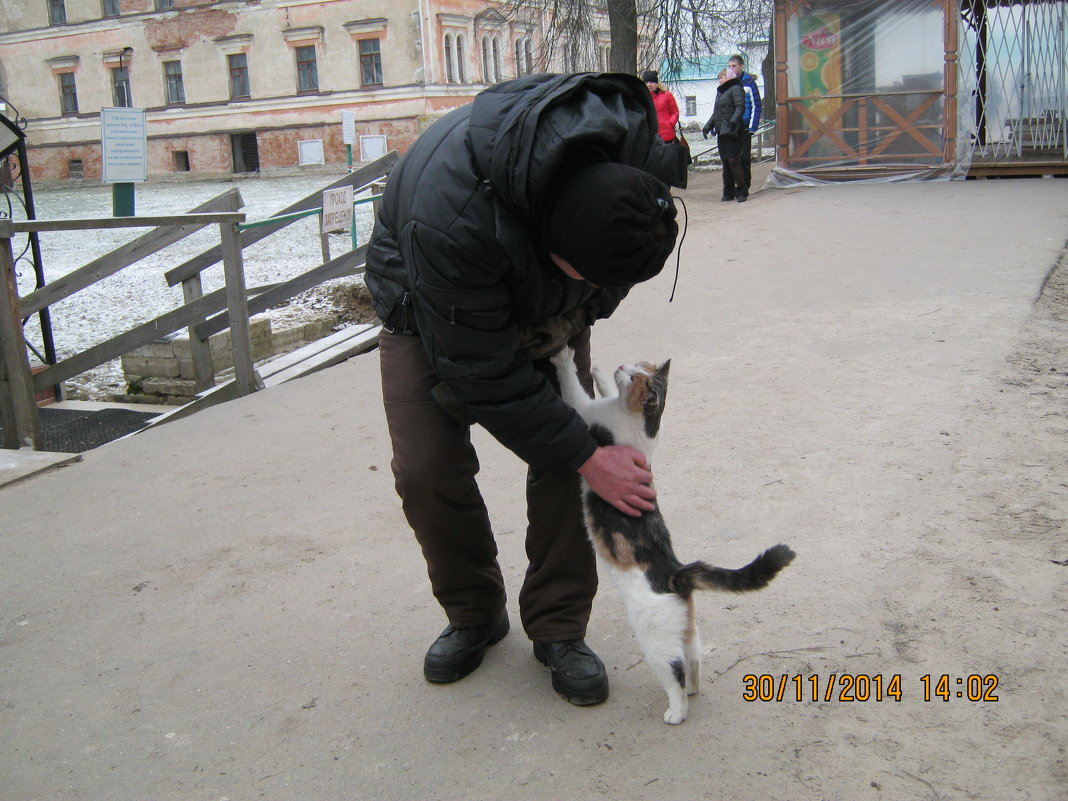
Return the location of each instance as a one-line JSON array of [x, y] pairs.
[[434, 464]]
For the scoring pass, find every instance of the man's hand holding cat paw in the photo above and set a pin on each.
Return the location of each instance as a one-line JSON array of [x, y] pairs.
[[620, 475]]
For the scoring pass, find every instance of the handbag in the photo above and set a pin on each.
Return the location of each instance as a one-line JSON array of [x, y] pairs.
[[681, 139]]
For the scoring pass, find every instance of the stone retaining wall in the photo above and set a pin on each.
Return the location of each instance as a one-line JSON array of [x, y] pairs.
[[162, 371]]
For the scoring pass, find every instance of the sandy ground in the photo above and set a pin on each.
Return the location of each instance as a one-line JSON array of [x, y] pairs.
[[231, 606]]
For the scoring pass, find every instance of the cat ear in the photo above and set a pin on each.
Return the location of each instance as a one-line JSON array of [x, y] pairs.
[[664, 368]]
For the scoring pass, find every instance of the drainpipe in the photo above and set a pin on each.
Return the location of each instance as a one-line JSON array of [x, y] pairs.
[[426, 38]]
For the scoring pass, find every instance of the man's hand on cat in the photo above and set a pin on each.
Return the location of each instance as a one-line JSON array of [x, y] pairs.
[[620, 475]]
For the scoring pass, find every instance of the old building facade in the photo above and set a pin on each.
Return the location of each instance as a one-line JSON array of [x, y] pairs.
[[232, 87]]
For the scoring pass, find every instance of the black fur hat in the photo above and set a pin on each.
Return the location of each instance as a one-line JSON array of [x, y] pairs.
[[615, 224], [649, 76]]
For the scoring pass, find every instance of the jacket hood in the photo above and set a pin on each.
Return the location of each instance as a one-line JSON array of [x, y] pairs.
[[523, 131]]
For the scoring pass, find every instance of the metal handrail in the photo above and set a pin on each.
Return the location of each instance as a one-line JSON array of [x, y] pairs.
[[296, 215], [764, 132]]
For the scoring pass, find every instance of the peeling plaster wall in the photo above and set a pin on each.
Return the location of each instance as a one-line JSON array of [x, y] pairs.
[[200, 35]]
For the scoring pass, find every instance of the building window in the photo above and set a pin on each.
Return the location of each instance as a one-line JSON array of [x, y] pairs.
[[120, 87], [181, 161], [172, 72], [491, 59], [75, 168], [524, 57], [57, 12], [164, 5], [238, 64], [307, 72], [68, 93], [691, 106], [110, 8], [455, 70], [370, 62]]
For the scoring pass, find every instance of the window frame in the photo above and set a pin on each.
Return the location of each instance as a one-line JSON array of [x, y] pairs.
[[372, 59], [57, 12], [303, 70], [109, 9], [174, 80], [120, 78], [64, 94], [238, 74]]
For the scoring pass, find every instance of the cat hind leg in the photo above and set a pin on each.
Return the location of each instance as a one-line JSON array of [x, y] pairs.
[[673, 677], [660, 624]]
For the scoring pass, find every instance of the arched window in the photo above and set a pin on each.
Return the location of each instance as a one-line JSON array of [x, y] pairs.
[[450, 73], [487, 76], [461, 70], [524, 56], [496, 46]]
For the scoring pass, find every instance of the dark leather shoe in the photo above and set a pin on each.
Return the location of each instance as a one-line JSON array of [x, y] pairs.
[[727, 197], [456, 652], [741, 198], [578, 673]]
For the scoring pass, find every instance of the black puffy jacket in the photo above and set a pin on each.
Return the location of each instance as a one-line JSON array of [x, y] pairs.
[[726, 119], [452, 256]]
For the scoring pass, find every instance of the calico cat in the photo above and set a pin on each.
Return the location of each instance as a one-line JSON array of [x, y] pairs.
[[636, 553]]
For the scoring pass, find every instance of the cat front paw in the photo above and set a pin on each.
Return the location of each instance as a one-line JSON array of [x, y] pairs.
[[675, 716], [564, 360]]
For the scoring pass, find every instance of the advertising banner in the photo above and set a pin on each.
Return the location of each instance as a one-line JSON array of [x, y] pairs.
[[821, 62]]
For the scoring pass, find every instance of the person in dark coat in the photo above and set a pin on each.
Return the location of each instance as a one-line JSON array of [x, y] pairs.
[[509, 227], [726, 124]]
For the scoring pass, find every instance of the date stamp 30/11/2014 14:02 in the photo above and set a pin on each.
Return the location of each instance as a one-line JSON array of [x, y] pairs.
[[862, 687]]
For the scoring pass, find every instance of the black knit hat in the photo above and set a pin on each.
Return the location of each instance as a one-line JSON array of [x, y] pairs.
[[613, 223], [650, 77]]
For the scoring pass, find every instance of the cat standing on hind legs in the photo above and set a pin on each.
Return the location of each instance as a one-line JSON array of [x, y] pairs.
[[635, 552]]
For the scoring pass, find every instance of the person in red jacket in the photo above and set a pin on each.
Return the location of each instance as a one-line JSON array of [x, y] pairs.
[[667, 110]]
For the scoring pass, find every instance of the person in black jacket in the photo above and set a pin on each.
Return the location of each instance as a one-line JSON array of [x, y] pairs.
[[509, 227], [726, 123]]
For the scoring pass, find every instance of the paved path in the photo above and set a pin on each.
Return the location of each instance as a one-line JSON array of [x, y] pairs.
[[231, 606]]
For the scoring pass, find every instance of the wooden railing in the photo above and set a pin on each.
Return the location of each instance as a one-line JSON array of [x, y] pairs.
[[229, 307], [862, 130]]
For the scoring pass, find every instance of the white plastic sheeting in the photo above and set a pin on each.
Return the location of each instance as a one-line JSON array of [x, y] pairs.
[[867, 100], [866, 91]]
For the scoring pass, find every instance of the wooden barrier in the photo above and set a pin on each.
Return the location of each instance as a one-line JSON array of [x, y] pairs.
[[203, 315]]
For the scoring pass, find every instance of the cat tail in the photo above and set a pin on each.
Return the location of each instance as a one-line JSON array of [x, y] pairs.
[[754, 576]]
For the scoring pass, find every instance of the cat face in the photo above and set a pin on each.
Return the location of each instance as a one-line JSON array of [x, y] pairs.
[[643, 390]]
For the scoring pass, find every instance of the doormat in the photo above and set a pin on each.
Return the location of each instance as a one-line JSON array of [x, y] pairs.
[[77, 430]]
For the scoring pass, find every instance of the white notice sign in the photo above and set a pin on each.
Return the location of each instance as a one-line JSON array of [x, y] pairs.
[[348, 127], [123, 144], [337, 209]]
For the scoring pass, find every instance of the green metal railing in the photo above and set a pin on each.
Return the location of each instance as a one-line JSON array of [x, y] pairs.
[[296, 215]]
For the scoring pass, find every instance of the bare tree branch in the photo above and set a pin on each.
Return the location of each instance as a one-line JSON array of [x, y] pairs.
[[644, 33]]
